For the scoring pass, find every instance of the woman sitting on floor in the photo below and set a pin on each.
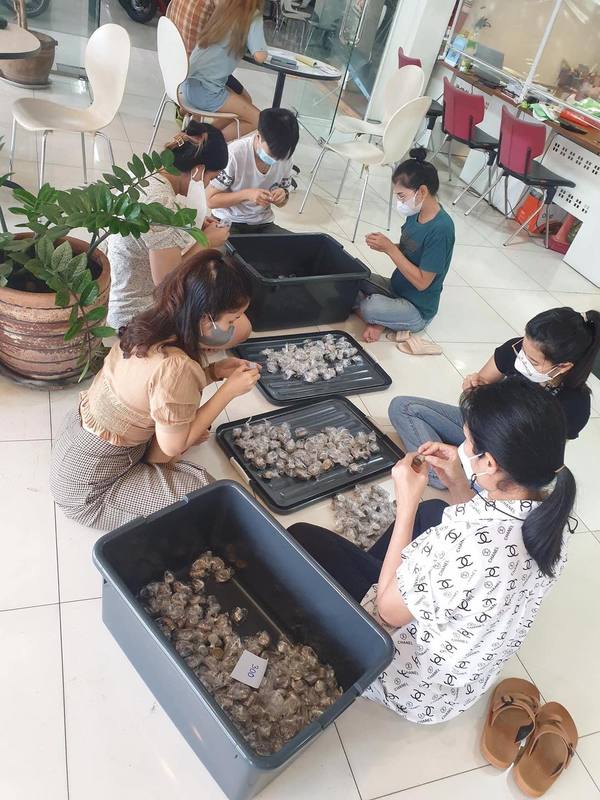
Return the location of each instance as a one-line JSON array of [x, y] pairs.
[[421, 260], [558, 352], [116, 456], [461, 597]]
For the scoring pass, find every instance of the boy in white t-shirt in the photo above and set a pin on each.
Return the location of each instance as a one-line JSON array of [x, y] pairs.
[[257, 175]]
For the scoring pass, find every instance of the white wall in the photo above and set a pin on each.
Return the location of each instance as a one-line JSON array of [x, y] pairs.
[[419, 27]]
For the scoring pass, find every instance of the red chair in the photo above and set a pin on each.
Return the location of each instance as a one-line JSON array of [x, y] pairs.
[[435, 109], [520, 142], [462, 113]]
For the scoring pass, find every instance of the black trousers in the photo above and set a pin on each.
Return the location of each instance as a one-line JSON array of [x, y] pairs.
[[354, 569]]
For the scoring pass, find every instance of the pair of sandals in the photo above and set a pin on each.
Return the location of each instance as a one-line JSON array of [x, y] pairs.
[[412, 344], [539, 741]]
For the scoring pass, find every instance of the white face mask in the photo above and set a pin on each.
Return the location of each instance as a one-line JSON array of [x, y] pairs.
[[526, 368], [465, 460], [196, 197], [410, 208]]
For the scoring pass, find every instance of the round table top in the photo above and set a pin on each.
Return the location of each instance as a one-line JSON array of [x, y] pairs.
[[16, 42], [320, 69]]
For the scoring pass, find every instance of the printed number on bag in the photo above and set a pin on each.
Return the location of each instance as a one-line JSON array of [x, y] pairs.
[[250, 669]]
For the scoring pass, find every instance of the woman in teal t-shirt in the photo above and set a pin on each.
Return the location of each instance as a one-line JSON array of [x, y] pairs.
[[422, 258]]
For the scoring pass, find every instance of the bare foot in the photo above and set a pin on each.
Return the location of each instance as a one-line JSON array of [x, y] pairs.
[[372, 333]]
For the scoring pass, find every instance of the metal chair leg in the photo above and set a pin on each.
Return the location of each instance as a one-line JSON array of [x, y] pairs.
[[109, 144], [312, 180], [3, 227], [339, 194], [158, 120], [469, 186], [362, 200], [505, 196], [83, 159], [43, 157], [529, 219], [481, 197], [13, 144], [439, 150], [449, 160]]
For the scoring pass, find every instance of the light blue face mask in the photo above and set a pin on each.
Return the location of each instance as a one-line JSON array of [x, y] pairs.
[[265, 157]]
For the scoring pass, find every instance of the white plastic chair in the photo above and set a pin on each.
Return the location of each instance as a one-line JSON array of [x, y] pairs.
[[291, 11], [174, 65], [404, 85], [106, 64], [397, 138]]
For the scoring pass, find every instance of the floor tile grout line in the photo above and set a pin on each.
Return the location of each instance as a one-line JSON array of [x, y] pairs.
[[48, 605], [348, 761], [62, 660], [427, 783]]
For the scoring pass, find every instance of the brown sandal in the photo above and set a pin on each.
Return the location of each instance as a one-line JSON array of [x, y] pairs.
[[511, 717], [548, 752]]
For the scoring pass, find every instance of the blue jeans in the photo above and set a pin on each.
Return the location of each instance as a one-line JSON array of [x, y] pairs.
[[418, 420], [395, 313]]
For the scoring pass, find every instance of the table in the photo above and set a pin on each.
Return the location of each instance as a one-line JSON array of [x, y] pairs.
[[321, 72], [16, 42]]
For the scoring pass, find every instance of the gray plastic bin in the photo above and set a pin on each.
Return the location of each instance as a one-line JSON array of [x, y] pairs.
[[284, 589]]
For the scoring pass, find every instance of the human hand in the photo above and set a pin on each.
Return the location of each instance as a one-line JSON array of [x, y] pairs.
[[379, 242], [227, 366], [445, 462], [242, 380], [261, 197], [279, 197], [410, 479], [472, 380]]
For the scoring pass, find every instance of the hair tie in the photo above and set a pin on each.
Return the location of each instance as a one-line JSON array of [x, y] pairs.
[[556, 471]]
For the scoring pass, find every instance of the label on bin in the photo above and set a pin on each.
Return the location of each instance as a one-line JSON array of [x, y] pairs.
[[250, 669]]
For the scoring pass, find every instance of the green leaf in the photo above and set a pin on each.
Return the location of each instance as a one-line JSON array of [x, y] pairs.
[[24, 196], [102, 331], [148, 162], [73, 329], [90, 294], [73, 315], [138, 168], [157, 160], [82, 282], [121, 174], [96, 314], [44, 249], [198, 236], [61, 257], [63, 298], [134, 194], [76, 266], [84, 372]]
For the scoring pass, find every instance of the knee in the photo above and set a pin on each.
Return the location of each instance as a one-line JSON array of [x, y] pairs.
[[400, 407]]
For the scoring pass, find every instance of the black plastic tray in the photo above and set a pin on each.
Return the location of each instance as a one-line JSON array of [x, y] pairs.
[[358, 378], [284, 494]]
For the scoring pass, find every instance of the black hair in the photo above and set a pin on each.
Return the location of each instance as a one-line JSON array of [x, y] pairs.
[[563, 334], [279, 128], [416, 171], [523, 427], [201, 145]]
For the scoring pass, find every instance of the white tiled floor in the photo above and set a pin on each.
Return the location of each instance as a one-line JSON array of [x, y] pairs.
[[79, 724]]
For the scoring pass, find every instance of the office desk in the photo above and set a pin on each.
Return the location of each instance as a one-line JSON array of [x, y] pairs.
[[574, 155]]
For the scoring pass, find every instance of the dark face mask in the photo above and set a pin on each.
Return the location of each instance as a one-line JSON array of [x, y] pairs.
[[217, 337]]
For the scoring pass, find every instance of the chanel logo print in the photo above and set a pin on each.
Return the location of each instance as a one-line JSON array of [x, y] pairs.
[[511, 550], [465, 561], [444, 583]]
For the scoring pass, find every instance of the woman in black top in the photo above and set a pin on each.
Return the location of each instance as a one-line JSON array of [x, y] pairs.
[[558, 352]]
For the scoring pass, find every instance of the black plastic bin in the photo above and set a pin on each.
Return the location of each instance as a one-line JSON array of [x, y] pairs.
[[285, 591], [298, 279]]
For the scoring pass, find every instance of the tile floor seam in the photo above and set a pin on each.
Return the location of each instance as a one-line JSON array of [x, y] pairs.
[[62, 660], [348, 761], [48, 605], [427, 783], [583, 764], [478, 293]]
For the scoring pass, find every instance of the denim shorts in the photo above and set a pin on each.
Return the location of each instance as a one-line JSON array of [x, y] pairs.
[[196, 95]]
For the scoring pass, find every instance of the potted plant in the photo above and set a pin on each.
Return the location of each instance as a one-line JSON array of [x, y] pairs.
[[34, 70], [54, 287]]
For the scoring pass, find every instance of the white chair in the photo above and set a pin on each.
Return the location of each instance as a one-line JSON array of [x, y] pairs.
[[291, 11], [174, 65], [397, 138], [106, 64], [404, 85]]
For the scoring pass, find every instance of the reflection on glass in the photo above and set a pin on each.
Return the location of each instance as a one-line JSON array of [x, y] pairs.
[[503, 33]]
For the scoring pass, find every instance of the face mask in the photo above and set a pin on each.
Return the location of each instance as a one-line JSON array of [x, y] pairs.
[[410, 208], [217, 337], [524, 366], [196, 198], [465, 460], [265, 157]]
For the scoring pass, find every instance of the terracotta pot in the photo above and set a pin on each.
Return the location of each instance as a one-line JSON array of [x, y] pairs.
[[32, 327], [34, 70]]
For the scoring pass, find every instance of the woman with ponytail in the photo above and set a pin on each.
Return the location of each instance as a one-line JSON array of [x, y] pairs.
[[557, 352], [421, 259], [460, 598]]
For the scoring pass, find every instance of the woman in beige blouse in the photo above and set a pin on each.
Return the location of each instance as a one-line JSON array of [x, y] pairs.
[[116, 457]]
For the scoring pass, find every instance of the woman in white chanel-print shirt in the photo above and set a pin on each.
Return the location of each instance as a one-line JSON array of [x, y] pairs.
[[461, 597]]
